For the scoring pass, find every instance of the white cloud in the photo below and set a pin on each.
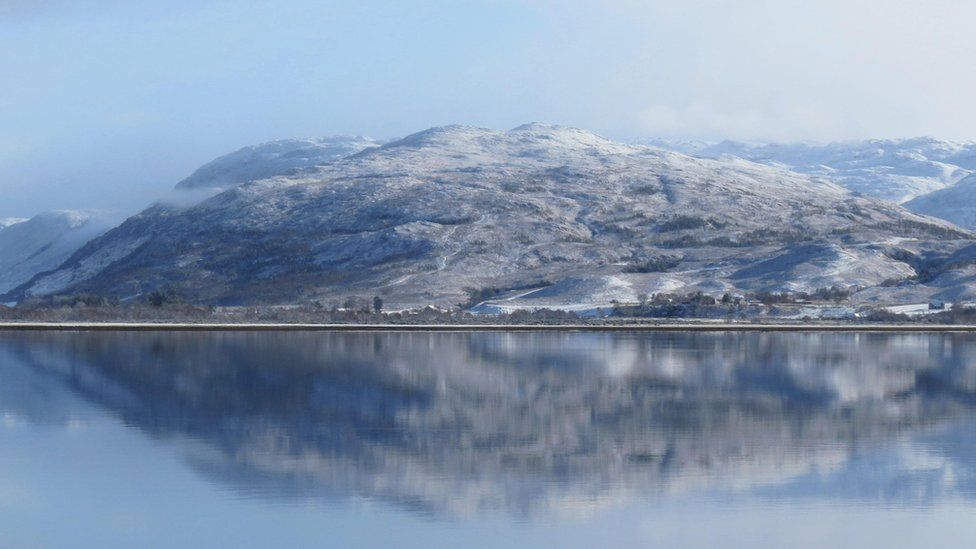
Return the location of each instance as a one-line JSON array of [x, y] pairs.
[[785, 69], [715, 121]]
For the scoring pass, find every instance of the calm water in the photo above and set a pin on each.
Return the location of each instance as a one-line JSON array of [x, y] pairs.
[[487, 440]]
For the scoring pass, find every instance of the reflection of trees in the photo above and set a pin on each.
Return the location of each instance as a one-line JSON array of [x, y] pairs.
[[459, 422]]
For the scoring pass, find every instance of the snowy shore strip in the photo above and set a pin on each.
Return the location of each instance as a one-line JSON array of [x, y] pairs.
[[660, 327]]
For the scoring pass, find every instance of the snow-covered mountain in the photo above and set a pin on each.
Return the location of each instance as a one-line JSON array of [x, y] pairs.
[[894, 169], [42, 243], [956, 203], [431, 217], [284, 157]]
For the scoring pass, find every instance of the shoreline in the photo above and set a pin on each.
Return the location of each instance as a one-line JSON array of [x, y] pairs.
[[285, 327]]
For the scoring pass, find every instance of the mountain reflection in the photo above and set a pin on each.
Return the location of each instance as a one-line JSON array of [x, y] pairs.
[[525, 423]]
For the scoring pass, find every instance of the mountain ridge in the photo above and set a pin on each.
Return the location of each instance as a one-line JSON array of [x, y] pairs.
[[891, 169], [273, 158]]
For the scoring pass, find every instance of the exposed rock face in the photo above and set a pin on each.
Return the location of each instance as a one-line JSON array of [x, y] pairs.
[[426, 218], [893, 169], [284, 157], [42, 243]]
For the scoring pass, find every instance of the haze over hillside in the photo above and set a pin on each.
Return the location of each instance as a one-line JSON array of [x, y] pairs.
[[43, 242], [431, 217], [31, 246], [8, 221]]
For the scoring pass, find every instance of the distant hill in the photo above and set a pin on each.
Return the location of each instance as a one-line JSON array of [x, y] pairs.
[[956, 203], [893, 169]]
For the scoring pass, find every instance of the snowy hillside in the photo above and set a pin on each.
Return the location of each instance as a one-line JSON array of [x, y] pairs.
[[956, 203], [284, 157], [8, 221], [896, 170], [42, 243], [449, 211]]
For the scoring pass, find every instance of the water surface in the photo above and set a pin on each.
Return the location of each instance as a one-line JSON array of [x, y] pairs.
[[487, 439]]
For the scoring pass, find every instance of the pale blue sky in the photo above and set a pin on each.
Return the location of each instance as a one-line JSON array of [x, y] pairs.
[[106, 104]]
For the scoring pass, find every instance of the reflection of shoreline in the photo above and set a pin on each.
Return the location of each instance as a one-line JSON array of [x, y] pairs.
[[663, 326], [526, 423]]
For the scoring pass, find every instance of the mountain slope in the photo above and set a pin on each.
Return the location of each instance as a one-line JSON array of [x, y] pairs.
[[892, 169], [284, 157], [428, 218], [956, 203], [42, 243]]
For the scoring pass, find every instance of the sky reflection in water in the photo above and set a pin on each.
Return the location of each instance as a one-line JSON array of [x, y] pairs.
[[486, 439]]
